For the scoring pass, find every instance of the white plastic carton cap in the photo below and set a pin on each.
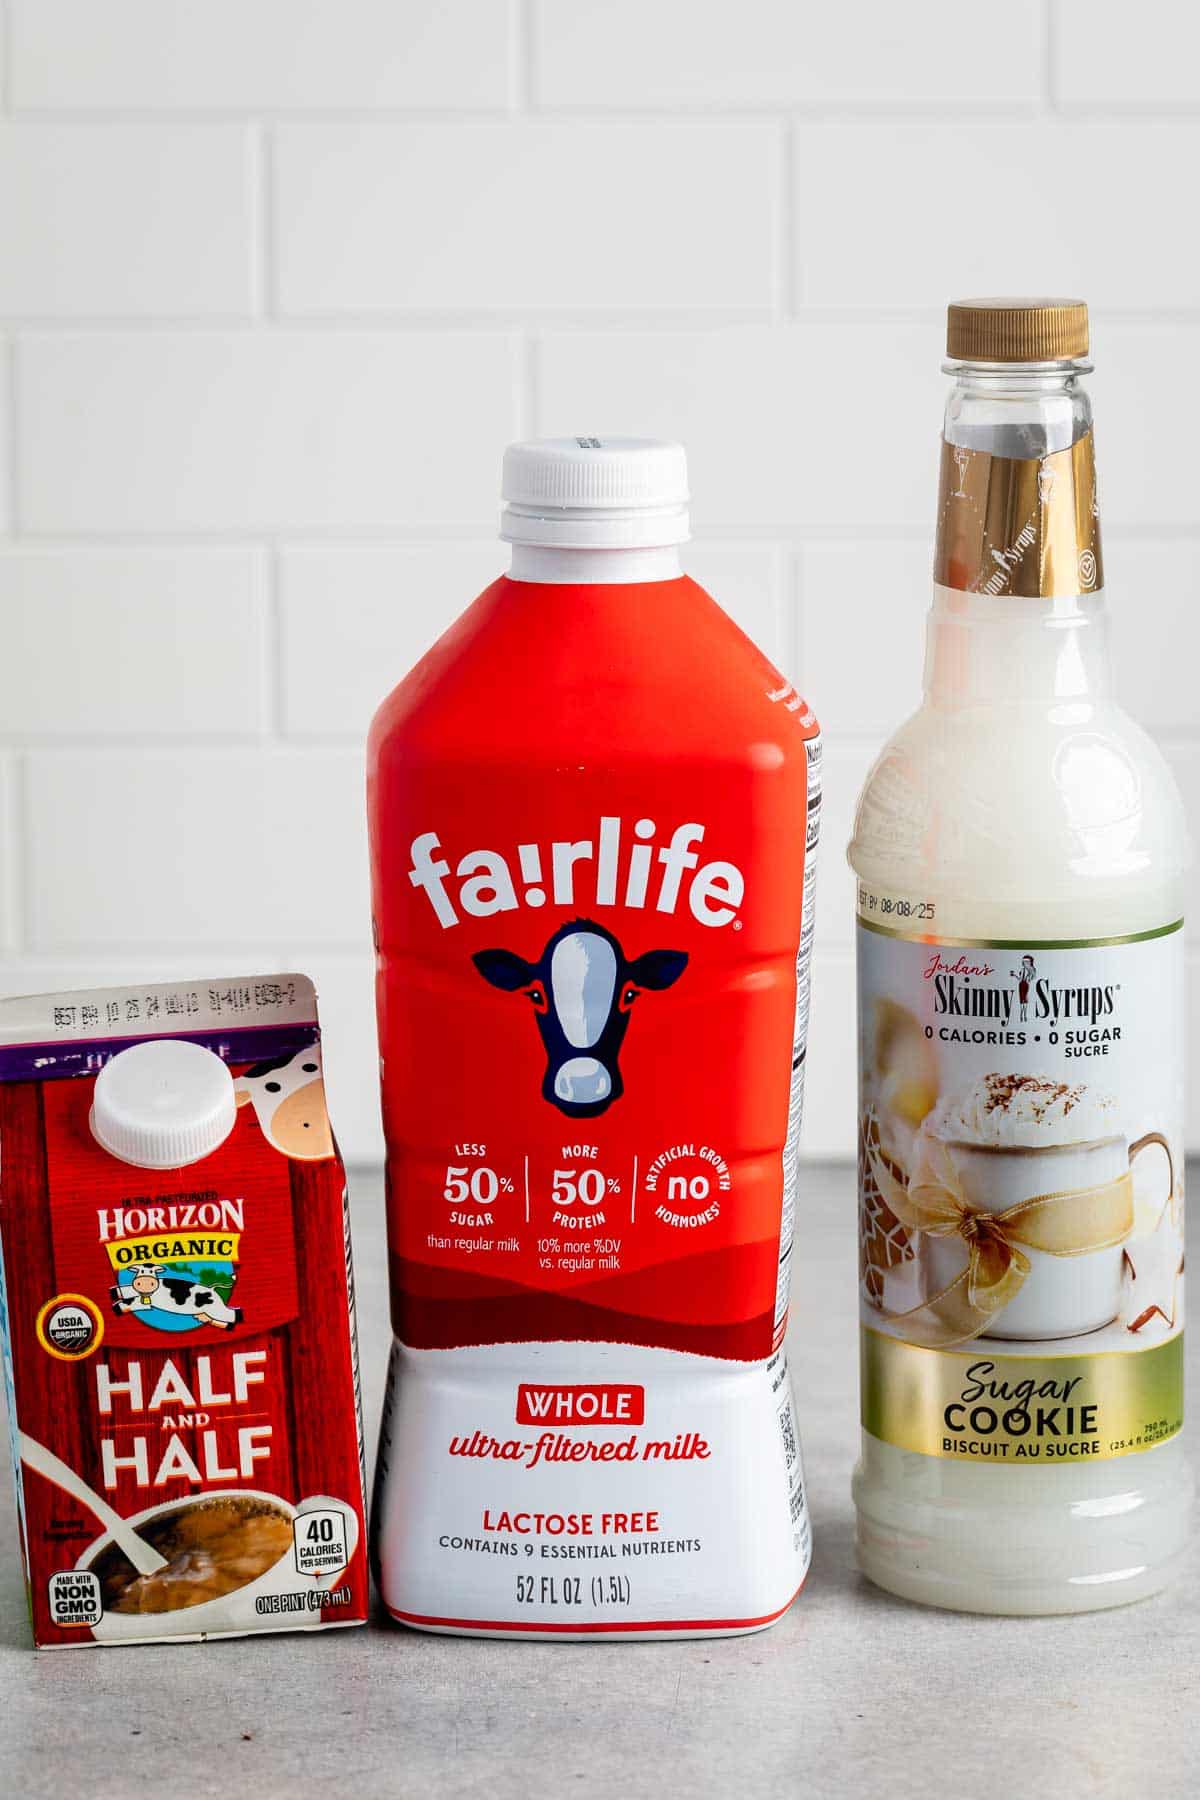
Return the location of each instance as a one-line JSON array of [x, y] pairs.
[[163, 1104], [587, 493]]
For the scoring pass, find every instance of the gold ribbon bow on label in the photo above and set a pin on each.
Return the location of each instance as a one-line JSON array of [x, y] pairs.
[[1069, 1223]]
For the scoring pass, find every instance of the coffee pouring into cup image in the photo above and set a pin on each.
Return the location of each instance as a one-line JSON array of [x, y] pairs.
[[1017, 1199], [230, 1556]]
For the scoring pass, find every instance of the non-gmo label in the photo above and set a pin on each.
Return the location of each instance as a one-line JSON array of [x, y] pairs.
[[75, 1598], [321, 1542]]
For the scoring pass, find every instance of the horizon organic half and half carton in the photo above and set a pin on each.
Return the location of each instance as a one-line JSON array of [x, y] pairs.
[[180, 1353]]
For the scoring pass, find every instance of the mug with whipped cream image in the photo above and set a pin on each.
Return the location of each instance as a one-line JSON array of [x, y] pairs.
[[1020, 1194]]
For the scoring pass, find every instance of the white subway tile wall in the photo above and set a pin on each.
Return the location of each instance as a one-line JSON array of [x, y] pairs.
[[523, 217], [679, 53], [108, 642], [171, 56], [134, 221], [267, 430], [278, 282]]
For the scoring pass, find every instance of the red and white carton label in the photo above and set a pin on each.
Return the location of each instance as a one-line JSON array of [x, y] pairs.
[[593, 921], [180, 1347]]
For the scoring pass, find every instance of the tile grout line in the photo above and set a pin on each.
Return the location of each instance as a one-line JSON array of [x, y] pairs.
[[794, 599], [263, 279], [305, 746], [12, 437], [527, 397], [522, 72], [453, 321], [476, 534], [788, 285], [18, 889], [1049, 60], [120, 949], [523, 93], [638, 320], [273, 632], [71, 959], [265, 224], [669, 116]]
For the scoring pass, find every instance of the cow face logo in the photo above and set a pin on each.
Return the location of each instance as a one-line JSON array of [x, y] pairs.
[[288, 1097], [582, 989]]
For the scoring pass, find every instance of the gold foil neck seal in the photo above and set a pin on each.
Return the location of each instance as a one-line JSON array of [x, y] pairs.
[[1028, 527], [1016, 331]]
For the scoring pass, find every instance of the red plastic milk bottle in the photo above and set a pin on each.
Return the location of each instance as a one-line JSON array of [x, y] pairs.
[[593, 811]]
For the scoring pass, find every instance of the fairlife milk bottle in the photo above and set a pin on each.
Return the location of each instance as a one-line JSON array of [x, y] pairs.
[[593, 812]]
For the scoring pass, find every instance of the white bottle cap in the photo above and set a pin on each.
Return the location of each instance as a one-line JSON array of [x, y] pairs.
[[162, 1104], [587, 493]]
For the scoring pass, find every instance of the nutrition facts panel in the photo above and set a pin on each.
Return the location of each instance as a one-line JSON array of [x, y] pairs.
[[791, 1148]]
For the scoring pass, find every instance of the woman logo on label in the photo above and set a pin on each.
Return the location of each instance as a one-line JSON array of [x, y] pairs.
[[1024, 980]]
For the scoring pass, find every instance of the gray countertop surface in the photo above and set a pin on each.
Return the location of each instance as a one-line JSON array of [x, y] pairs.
[[852, 1693]]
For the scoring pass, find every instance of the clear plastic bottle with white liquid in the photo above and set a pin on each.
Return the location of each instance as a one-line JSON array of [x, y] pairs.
[[1020, 848]]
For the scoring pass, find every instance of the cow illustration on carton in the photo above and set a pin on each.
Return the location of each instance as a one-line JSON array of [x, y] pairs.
[[175, 1293], [288, 1097]]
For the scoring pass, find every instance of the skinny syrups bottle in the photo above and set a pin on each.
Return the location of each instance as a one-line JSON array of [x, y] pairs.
[[1020, 848]]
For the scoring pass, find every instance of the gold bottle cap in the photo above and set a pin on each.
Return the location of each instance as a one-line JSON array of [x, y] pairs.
[[1014, 331]]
